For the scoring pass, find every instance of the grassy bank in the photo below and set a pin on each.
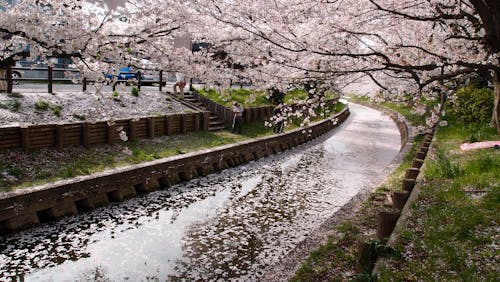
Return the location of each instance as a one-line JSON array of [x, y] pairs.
[[22, 169], [452, 232], [252, 98]]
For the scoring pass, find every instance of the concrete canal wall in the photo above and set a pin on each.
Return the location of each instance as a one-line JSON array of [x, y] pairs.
[[25, 207]]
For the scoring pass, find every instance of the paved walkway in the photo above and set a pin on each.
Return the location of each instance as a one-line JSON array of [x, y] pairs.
[[234, 225]]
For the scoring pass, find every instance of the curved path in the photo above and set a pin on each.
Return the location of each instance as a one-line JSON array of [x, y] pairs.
[[234, 225]]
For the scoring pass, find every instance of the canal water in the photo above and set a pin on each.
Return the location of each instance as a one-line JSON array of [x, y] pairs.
[[231, 226]]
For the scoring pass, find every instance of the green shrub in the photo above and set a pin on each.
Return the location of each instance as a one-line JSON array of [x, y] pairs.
[[41, 106], [11, 105], [116, 94], [79, 117], [56, 109], [135, 91], [473, 105]]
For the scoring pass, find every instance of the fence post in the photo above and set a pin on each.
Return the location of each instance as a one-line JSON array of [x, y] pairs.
[[183, 121], [109, 132], [132, 132], [161, 81], [167, 125], [139, 80], [84, 84], [85, 134], [206, 120], [9, 79], [197, 121], [25, 138], [151, 127], [59, 136], [49, 70]]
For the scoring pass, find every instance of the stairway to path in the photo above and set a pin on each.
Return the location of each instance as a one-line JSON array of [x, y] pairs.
[[215, 123]]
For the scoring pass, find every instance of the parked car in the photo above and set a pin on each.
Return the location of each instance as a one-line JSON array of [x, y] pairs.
[[17, 73], [38, 71], [129, 73]]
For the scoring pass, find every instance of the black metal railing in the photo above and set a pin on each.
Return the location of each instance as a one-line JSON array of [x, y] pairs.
[[50, 79]]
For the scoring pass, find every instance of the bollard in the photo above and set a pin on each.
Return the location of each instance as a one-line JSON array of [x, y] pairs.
[[412, 173], [50, 78], [421, 155], [417, 163], [399, 199], [364, 259], [408, 184], [161, 81], [386, 220], [424, 149]]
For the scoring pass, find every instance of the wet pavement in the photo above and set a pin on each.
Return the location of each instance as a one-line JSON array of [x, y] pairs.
[[233, 225]]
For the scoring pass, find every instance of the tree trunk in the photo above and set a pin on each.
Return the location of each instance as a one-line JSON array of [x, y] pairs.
[[495, 121]]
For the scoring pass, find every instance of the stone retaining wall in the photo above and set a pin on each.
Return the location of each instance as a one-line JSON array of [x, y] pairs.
[[24, 207]]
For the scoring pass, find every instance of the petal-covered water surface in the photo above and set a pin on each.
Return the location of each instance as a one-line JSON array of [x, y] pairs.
[[232, 225]]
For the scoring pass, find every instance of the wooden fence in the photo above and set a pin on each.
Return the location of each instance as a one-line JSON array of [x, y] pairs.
[[249, 114], [102, 132]]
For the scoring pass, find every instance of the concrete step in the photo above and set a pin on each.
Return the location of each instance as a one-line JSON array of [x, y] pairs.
[[216, 128], [217, 123]]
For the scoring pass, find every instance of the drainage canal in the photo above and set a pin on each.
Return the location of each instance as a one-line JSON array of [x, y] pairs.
[[233, 225]]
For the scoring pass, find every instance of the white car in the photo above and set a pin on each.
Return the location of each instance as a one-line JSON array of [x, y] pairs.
[[17, 73]]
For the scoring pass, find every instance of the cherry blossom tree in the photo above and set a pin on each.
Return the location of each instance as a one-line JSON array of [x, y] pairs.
[[406, 47], [94, 36]]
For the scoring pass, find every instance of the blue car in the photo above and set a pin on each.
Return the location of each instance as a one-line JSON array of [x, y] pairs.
[[125, 73]]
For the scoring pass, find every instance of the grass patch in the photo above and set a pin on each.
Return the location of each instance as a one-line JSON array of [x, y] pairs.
[[454, 233], [41, 106], [252, 98], [323, 263], [135, 91], [247, 98], [11, 105], [19, 169]]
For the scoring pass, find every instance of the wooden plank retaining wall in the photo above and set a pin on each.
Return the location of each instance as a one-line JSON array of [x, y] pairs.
[[249, 114], [92, 133]]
